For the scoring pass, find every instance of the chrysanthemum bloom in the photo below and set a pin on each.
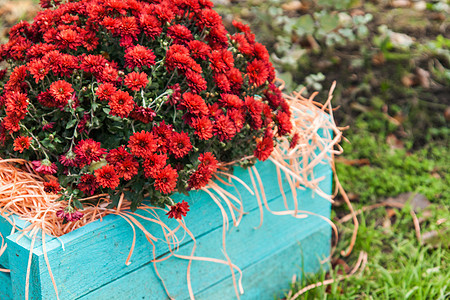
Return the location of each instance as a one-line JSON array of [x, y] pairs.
[[128, 168], [153, 164], [38, 69], [142, 144], [121, 104], [105, 91], [48, 126], [264, 148], [22, 143], [88, 151], [69, 214], [107, 177], [118, 155], [294, 141], [136, 81], [143, 114], [61, 91], [224, 128], [178, 210], [16, 102], [194, 104], [139, 56], [284, 123], [163, 133], [52, 187], [68, 160], [208, 166], [203, 128], [166, 180], [257, 72], [44, 166], [180, 144], [88, 184], [209, 161]]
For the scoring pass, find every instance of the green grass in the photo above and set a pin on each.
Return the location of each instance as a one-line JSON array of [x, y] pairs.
[[398, 267]]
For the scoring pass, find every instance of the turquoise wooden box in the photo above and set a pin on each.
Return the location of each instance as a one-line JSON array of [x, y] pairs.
[[91, 265]]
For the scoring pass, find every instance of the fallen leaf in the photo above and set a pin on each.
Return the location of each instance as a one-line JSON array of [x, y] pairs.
[[423, 77], [400, 3], [292, 6], [353, 162], [408, 80]]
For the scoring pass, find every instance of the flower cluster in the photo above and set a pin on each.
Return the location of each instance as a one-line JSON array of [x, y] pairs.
[[142, 97]]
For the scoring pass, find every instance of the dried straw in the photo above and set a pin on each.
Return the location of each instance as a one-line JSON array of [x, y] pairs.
[[22, 190]]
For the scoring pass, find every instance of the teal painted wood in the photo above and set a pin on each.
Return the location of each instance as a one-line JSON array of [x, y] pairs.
[[268, 260], [86, 249], [95, 255], [5, 286], [5, 230]]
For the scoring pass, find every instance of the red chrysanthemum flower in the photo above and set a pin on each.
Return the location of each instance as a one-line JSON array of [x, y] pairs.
[[142, 144], [105, 91], [294, 141], [93, 64], [264, 148], [180, 144], [17, 103], [178, 210], [180, 34], [121, 104], [284, 123], [238, 119], [258, 72], [44, 166], [61, 91], [143, 114], [224, 128], [52, 187], [128, 168], [118, 155], [231, 101], [166, 180], [139, 56], [48, 126], [199, 179], [88, 151], [88, 184], [153, 164], [194, 104], [109, 74], [22, 143], [136, 81], [38, 69], [163, 133], [209, 161], [255, 109], [199, 50], [68, 160], [107, 177], [203, 128]]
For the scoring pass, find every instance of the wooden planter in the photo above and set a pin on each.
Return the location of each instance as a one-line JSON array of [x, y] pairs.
[[92, 263]]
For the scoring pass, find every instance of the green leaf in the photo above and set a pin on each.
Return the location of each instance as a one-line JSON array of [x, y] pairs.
[[77, 204], [329, 22], [71, 123], [304, 25]]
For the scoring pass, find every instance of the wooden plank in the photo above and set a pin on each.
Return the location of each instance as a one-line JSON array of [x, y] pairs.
[[85, 248], [262, 280], [270, 277], [5, 286], [5, 230], [246, 247]]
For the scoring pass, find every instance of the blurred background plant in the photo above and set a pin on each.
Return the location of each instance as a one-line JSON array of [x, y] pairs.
[[391, 60]]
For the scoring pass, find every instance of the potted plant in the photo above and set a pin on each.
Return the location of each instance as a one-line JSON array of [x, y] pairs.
[[119, 113]]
